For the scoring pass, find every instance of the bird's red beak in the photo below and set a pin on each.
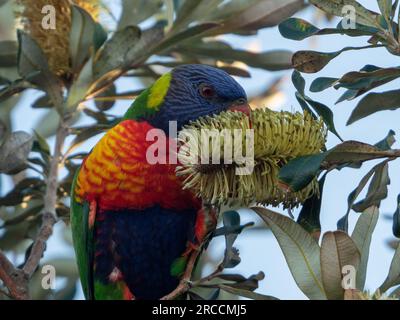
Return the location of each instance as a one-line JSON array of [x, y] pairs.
[[241, 107]]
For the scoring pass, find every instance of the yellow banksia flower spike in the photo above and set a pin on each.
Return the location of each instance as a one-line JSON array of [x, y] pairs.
[[53, 42], [278, 138]]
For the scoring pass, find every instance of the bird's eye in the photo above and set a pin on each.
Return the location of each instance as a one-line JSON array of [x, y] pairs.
[[207, 91]]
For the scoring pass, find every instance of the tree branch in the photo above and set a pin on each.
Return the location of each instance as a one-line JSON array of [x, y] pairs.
[[50, 202], [14, 279], [17, 280]]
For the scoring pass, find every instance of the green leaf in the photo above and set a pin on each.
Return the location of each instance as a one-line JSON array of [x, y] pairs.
[[375, 102], [99, 37], [231, 219], [299, 82], [14, 151], [104, 105], [393, 277], [343, 223], [32, 64], [136, 11], [387, 142], [385, 6], [269, 60], [299, 29], [191, 11], [189, 33], [396, 219], [81, 37], [42, 102], [335, 7], [348, 95], [353, 152], [361, 236], [8, 53], [298, 173], [378, 188], [259, 14], [320, 84], [309, 217], [301, 251], [80, 87], [113, 55], [313, 61], [42, 143], [325, 113], [337, 250], [367, 80]]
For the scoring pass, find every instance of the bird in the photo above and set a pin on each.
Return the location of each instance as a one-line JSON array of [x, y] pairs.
[[133, 225]]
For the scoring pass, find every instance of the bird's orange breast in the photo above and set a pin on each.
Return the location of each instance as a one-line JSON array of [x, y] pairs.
[[117, 173]]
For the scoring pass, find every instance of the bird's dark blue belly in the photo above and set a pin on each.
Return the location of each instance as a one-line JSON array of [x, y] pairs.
[[142, 244]]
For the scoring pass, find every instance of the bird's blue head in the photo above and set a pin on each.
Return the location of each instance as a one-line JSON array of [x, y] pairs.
[[187, 93]]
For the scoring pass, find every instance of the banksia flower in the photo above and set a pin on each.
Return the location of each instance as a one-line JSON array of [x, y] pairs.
[[277, 138], [53, 42]]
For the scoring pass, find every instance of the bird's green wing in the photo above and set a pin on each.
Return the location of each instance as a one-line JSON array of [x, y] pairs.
[[82, 236]]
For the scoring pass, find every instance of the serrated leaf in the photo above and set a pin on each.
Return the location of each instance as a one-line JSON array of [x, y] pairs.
[[361, 236], [301, 251], [375, 102], [337, 251]]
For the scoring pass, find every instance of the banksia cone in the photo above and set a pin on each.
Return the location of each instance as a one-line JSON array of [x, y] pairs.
[[53, 42], [278, 138]]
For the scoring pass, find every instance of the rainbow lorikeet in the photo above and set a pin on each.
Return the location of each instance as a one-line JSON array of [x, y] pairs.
[[132, 223]]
